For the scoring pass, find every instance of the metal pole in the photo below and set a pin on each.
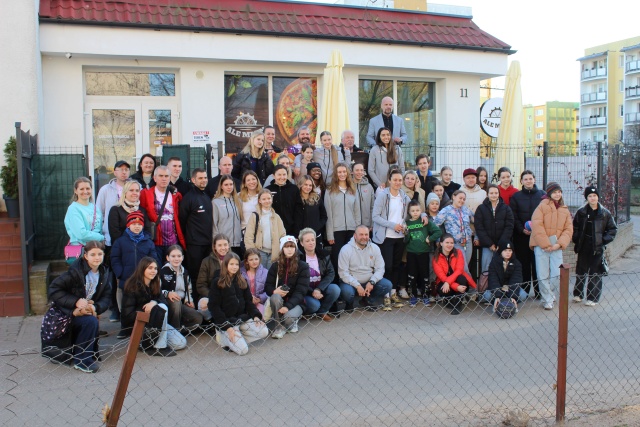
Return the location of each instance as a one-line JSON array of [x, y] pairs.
[[208, 158], [563, 329], [617, 189], [545, 164], [142, 318], [599, 162], [22, 194]]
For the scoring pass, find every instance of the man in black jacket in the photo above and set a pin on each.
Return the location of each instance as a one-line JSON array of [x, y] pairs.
[[522, 204], [196, 216], [225, 166], [175, 169]]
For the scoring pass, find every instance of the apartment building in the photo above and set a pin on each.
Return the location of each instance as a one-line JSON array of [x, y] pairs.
[[555, 122]]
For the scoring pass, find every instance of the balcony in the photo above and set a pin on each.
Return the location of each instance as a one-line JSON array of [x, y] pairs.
[[631, 118], [632, 67], [632, 92], [594, 73], [593, 97], [593, 121]]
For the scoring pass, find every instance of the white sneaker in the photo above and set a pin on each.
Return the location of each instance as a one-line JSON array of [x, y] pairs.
[[590, 303], [577, 299], [293, 328], [278, 333], [403, 293], [548, 306]]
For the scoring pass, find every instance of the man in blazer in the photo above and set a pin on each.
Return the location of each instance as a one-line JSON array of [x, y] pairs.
[[387, 119]]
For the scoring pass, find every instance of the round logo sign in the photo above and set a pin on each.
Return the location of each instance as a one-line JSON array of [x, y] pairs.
[[490, 113]]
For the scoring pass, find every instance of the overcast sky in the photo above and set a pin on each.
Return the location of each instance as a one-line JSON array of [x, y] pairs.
[[550, 35]]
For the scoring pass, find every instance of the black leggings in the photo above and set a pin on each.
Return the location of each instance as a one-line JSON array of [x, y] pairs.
[[340, 238], [392, 250], [418, 272]]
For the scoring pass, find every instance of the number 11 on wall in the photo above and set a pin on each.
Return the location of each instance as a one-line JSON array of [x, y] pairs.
[[463, 93]]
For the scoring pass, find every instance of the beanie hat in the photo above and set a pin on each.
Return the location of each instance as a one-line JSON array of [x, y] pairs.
[[432, 197], [135, 216], [313, 165], [551, 187], [286, 239], [504, 244], [469, 171], [591, 190]]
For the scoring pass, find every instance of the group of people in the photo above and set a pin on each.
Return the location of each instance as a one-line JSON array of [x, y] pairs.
[[273, 237]]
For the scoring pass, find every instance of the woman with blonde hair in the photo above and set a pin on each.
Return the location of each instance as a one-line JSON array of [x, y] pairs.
[[328, 156], [227, 212], [411, 187], [253, 157], [264, 229], [249, 191], [129, 202], [83, 220]]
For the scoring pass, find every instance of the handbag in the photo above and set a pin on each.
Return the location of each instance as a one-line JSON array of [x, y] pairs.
[[73, 252], [55, 323], [483, 282], [155, 227]]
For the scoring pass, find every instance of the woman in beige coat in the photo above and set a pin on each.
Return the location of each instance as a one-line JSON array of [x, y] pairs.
[[551, 231], [264, 230]]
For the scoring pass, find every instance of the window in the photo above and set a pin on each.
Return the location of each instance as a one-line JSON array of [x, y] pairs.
[[130, 84], [539, 136], [539, 124], [528, 128], [370, 94], [247, 108], [529, 117], [416, 107], [539, 112], [621, 61], [621, 110], [621, 85], [621, 135]]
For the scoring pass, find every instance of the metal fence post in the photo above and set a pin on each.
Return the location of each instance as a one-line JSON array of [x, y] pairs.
[[599, 166], [563, 329], [617, 189], [208, 158], [142, 318], [545, 164]]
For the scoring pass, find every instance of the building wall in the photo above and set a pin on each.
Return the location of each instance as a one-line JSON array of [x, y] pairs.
[[20, 70]]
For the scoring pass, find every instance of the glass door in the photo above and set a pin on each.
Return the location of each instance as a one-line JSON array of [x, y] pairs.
[[160, 127]]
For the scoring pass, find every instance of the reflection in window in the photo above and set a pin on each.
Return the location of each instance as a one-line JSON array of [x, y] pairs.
[[370, 94], [113, 139], [415, 106], [130, 84], [160, 127]]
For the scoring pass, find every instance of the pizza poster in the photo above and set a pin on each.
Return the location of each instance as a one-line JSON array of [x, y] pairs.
[[295, 103]]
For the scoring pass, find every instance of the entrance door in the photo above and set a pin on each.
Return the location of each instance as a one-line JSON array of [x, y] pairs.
[[126, 131]]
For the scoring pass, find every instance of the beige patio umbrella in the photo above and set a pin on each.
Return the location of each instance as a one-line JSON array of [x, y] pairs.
[[334, 114], [510, 147]]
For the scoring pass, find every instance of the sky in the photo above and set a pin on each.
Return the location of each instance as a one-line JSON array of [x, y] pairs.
[[549, 36]]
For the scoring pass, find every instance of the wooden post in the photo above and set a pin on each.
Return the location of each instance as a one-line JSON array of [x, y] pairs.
[[142, 319], [563, 328]]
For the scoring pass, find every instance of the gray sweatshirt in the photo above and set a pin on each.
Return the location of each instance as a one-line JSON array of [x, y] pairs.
[[323, 156], [357, 266], [107, 198], [343, 212], [378, 165], [366, 196], [226, 220]]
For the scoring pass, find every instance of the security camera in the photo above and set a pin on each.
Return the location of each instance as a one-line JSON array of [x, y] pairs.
[[68, 55]]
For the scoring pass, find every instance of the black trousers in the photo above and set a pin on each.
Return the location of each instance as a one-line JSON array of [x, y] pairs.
[[392, 250], [589, 273], [340, 238], [418, 272], [193, 259], [453, 299], [527, 259], [114, 285]]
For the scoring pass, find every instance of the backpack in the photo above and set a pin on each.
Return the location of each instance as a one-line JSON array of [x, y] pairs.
[[506, 309]]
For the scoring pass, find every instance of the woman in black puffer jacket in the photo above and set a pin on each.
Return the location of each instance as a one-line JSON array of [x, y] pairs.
[[494, 222], [253, 157], [83, 292]]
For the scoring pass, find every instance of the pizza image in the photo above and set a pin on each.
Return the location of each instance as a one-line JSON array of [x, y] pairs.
[[297, 107]]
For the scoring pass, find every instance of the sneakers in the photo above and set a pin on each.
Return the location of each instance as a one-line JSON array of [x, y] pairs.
[[278, 333], [590, 303], [403, 294], [456, 310], [114, 317], [387, 304], [413, 301], [432, 299], [293, 328], [161, 352], [548, 306], [577, 299], [91, 369], [397, 302], [427, 301]]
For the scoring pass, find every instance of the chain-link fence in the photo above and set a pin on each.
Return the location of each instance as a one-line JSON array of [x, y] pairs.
[[410, 366]]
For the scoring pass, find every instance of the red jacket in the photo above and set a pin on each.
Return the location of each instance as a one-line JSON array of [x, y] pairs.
[[506, 194], [147, 201], [441, 268]]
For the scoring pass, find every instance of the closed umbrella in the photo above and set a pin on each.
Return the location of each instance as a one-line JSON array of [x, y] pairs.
[[510, 146], [334, 114]]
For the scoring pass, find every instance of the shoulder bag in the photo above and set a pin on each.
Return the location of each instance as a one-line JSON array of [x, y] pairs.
[[155, 227], [55, 323]]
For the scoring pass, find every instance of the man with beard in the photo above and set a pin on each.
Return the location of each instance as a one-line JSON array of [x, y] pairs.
[[389, 120]]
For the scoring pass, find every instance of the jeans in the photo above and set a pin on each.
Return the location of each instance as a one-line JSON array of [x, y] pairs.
[[467, 252], [290, 317], [168, 335], [203, 308], [246, 332], [322, 306], [487, 256], [265, 259], [489, 295], [548, 269], [181, 314], [380, 289], [85, 333]]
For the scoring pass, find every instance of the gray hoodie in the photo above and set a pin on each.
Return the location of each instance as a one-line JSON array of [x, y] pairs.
[[107, 198], [357, 266], [366, 196], [323, 156], [343, 212], [378, 165], [226, 220]]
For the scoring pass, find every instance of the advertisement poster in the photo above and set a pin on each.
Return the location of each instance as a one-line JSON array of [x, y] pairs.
[[295, 103], [246, 109]]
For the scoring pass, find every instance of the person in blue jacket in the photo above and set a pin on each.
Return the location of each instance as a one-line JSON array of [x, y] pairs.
[[129, 249]]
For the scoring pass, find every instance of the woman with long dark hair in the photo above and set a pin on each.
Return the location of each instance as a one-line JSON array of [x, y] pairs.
[[313, 210], [327, 156], [382, 156], [144, 175], [287, 284], [452, 282], [238, 320], [83, 292], [227, 212], [142, 292]]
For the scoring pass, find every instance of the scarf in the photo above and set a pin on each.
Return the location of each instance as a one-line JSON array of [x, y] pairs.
[[557, 205], [130, 207], [137, 238]]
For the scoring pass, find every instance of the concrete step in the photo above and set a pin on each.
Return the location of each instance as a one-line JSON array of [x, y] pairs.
[[11, 254], [10, 268], [11, 284], [11, 304]]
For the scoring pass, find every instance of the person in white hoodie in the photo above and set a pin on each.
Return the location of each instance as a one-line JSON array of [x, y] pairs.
[[361, 271], [328, 156]]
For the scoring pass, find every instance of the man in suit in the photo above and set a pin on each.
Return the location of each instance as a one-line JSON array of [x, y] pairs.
[[389, 120]]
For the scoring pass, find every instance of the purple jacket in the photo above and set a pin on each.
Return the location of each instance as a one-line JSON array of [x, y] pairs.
[[261, 278]]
